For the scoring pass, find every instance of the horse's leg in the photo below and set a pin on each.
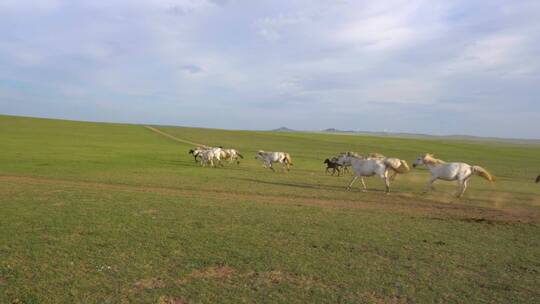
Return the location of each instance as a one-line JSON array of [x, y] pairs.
[[338, 171], [465, 184], [272, 167], [363, 184], [430, 183], [393, 175], [352, 181], [386, 182], [459, 187], [463, 187]]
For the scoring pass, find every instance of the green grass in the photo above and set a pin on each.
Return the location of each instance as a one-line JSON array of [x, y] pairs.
[[111, 213]]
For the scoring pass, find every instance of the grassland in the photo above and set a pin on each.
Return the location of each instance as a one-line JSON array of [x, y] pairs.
[[111, 213]]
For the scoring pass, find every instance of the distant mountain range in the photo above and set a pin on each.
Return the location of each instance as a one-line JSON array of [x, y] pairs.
[[418, 135]]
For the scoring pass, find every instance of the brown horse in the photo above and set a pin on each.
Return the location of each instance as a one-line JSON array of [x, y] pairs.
[[332, 164]]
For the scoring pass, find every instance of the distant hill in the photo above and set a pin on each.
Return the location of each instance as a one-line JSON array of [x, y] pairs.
[[284, 129], [334, 130], [419, 135]]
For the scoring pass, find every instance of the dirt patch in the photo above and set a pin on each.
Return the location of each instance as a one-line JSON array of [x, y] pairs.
[[150, 283], [400, 202], [373, 297], [171, 300], [254, 277], [213, 273], [279, 277]]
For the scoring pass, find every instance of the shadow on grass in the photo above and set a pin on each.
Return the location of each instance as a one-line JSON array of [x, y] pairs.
[[308, 186], [295, 185]]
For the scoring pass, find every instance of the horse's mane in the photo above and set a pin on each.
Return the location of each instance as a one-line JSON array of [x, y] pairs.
[[352, 154], [376, 155], [430, 159]]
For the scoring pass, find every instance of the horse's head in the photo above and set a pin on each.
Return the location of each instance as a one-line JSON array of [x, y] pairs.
[[326, 161], [420, 160], [191, 151], [344, 159]]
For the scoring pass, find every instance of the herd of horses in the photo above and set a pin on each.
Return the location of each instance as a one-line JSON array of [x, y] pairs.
[[374, 164]]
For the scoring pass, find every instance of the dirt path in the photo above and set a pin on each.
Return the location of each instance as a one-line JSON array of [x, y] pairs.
[[416, 207], [174, 137]]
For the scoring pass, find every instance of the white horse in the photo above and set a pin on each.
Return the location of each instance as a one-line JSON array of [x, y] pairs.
[[268, 158], [451, 172], [343, 161], [207, 155], [401, 166], [232, 155], [373, 166]]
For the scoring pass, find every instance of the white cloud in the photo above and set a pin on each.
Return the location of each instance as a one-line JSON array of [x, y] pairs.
[[271, 28], [491, 53]]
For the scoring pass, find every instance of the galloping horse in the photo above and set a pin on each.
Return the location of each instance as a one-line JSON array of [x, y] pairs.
[[269, 158], [332, 164], [207, 155], [343, 162], [197, 152], [451, 172], [373, 166], [232, 155], [401, 166]]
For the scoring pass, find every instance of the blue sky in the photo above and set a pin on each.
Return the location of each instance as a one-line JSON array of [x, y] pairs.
[[437, 67]]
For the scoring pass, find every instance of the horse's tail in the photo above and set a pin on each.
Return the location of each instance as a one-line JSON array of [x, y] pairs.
[[538, 179], [398, 165], [288, 159], [483, 173], [240, 155]]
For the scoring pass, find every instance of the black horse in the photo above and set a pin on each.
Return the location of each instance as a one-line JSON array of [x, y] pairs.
[[332, 164], [195, 154]]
